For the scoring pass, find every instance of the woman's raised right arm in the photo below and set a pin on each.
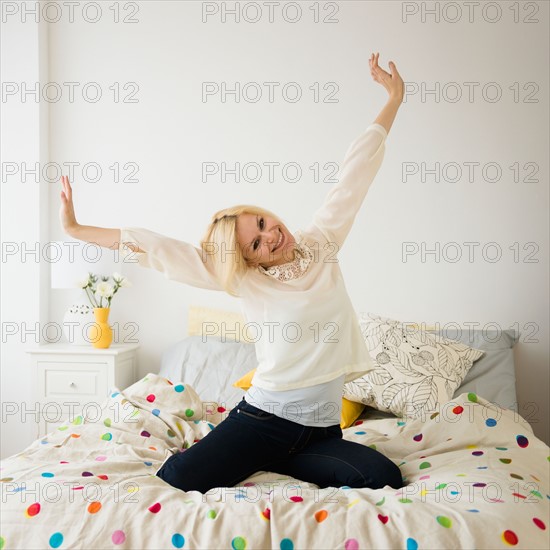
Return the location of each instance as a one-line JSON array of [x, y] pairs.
[[178, 260], [102, 236]]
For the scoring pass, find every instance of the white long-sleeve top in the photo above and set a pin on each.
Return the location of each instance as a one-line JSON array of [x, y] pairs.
[[306, 330]]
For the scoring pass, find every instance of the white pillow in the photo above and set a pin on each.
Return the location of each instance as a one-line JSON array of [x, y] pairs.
[[416, 371]]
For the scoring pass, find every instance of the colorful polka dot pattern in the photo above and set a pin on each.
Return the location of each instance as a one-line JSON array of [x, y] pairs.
[[451, 477]]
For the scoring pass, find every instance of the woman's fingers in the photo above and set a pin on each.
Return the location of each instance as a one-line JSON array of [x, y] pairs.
[[377, 72], [66, 187]]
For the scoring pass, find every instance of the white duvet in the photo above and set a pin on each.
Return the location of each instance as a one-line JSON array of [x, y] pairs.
[[476, 475]]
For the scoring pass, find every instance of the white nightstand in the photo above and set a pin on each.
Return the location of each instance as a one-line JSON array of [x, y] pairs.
[[74, 379]]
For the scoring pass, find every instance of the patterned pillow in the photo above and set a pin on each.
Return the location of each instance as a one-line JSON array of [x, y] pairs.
[[416, 371]]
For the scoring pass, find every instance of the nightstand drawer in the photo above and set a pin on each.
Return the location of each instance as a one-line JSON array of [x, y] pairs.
[[66, 380]]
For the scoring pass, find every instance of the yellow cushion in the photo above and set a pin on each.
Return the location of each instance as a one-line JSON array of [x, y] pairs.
[[350, 409]]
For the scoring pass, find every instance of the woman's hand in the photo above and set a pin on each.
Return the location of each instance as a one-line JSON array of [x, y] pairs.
[[66, 211], [392, 82]]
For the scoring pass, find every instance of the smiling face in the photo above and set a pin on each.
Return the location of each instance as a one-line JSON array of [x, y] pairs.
[[264, 240]]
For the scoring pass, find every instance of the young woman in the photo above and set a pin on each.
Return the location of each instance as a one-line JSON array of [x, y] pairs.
[[307, 337]]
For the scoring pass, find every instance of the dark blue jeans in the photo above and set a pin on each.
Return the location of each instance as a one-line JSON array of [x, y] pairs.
[[250, 440]]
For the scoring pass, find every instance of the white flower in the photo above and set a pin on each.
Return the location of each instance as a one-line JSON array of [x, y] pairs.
[[125, 283], [122, 281], [104, 290], [83, 281]]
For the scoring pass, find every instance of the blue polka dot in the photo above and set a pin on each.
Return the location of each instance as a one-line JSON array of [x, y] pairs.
[[148, 463], [179, 388], [412, 544], [360, 433], [178, 540], [56, 540], [287, 544], [156, 412], [491, 422]]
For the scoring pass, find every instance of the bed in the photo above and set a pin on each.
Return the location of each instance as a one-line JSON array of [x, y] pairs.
[[476, 476]]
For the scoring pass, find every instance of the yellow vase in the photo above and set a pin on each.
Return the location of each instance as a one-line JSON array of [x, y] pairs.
[[101, 334]]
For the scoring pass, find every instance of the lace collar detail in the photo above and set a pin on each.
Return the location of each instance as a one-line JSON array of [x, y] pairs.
[[291, 270]]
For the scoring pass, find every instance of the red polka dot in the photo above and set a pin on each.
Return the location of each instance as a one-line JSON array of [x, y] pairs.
[[296, 499], [510, 537], [155, 508], [458, 409], [539, 523], [33, 510], [150, 398]]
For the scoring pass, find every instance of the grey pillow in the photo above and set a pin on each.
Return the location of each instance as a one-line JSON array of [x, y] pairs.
[[210, 367], [493, 376]]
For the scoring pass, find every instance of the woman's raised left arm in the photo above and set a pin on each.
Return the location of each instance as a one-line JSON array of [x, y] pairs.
[[362, 161], [395, 88]]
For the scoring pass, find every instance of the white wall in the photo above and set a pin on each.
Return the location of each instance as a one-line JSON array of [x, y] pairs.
[[170, 132], [24, 226]]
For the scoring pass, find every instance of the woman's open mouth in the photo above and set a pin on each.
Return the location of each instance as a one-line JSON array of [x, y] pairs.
[[280, 242]]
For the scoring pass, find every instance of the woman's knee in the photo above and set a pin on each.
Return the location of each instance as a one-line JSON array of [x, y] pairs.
[[175, 473], [376, 472]]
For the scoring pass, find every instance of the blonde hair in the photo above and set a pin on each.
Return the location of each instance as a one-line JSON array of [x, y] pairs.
[[220, 244]]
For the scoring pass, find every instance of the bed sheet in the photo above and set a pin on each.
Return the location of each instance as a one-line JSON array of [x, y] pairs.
[[477, 477]]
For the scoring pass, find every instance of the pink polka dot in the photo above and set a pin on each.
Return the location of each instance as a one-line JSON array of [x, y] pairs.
[[101, 458], [118, 537], [150, 398], [351, 544]]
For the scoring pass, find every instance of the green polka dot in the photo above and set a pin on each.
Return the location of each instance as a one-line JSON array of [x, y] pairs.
[[77, 421], [505, 460], [373, 446], [536, 493], [472, 397], [170, 433], [2, 542], [424, 465], [238, 543], [516, 476], [107, 437], [191, 412], [441, 486], [107, 422], [61, 428], [211, 514], [444, 521], [405, 500], [380, 502]]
